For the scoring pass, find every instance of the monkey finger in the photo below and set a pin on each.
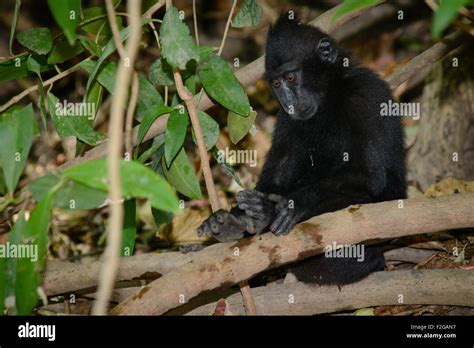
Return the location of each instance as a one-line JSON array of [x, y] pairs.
[[220, 216], [214, 224], [278, 221], [258, 208], [204, 229], [285, 227], [274, 197], [256, 215], [249, 199]]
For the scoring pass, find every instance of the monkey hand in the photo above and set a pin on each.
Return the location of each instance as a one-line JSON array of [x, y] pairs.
[[259, 210], [223, 226], [287, 216]]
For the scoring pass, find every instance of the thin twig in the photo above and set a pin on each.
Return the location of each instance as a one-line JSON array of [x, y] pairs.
[[206, 168], [115, 31], [229, 20], [196, 34], [130, 112], [110, 264], [34, 88], [153, 9]]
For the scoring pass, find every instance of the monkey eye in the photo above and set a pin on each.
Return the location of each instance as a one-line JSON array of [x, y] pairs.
[[276, 83], [291, 78]]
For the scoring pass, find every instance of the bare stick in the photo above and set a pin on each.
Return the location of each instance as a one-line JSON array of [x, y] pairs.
[[419, 287], [130, 113], [62, 277], [149, 13], [206, 169], [218, 266], [112, 250], [431, 55], [247, 296], [34, 88], [229, 20], [115, 31], [196, 33]]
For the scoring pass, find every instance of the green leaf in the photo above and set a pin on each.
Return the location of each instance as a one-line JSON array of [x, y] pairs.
[[13, 69], [91, 46], [67, 14], [12, 31], [70, 195], [137, 181], [156, 144], [445, 13], [249, 15], [28, 270], [16, 67], [62, 52], [222, 85], [11, 265], [99, 24], [177, 46], [190, 84], [176, 128], [161, 217], [148, 118], [129, 227], [33, 65], [16, 134], [94, 98], [204, 52], [161, 73], [38, 40], [352, 5], [73, 124], [148, 96], [181, 175], [238, 126], [228, 169], [210, 129]]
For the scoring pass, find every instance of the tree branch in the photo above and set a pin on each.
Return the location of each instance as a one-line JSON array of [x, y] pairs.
[[431, 55], [64, 277], [218, 266], [418, 287]]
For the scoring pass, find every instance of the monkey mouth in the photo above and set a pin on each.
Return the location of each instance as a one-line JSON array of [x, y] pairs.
[[306, 113]]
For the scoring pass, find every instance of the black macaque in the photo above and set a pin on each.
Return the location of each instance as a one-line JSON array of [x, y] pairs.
[[331, 149]]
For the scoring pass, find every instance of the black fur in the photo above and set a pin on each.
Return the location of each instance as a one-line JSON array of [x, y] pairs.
[[329, 111]]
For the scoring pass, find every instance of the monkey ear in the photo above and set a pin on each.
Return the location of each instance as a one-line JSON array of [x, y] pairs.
[[326, 50]]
